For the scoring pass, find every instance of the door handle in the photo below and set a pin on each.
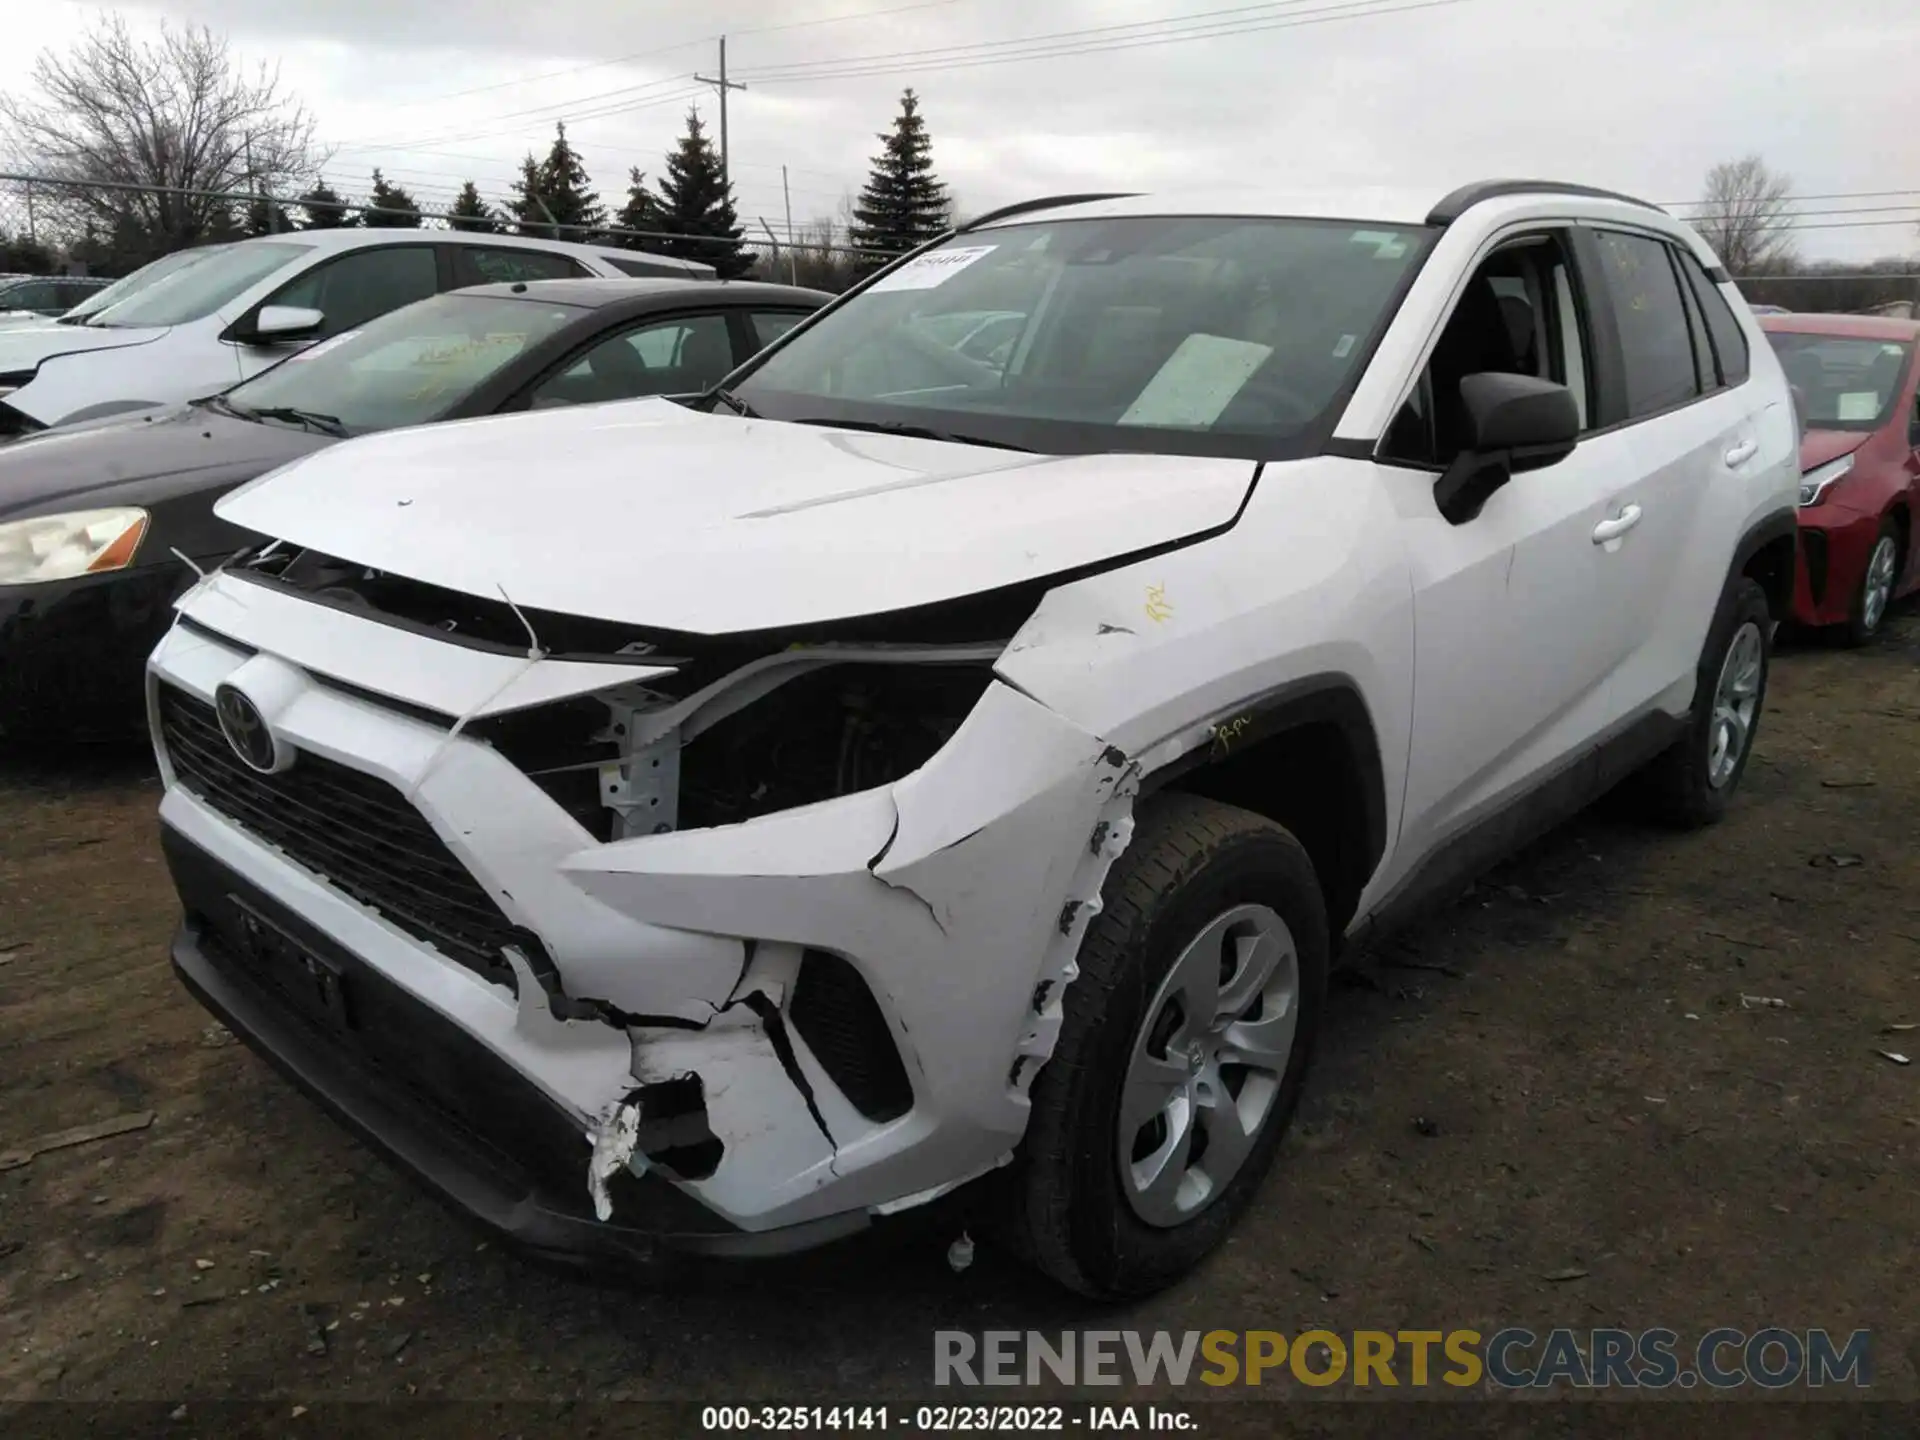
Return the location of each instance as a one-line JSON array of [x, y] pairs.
[[1613, 529], [1741, 453]]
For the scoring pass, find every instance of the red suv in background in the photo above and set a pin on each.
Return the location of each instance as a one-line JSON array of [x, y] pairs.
[[1854, 380]]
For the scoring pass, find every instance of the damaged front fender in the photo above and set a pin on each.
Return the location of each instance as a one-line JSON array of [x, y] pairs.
[[959, 894]]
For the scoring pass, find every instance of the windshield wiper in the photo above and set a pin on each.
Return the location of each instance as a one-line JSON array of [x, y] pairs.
[[224, 406], [914, 432], [726, 396], [325, 424]]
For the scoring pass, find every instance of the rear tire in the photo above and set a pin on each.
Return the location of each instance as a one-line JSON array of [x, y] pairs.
[[1207, 901], [1877, 585], [1690, 784]]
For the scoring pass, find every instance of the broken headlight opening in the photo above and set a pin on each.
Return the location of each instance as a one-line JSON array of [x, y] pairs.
[[743, 726]]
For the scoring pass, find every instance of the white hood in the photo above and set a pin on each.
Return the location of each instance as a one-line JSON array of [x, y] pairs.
[[655, 515], [24, 346]]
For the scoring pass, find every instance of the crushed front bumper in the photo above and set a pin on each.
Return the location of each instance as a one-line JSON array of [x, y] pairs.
[[425, 1094], [396, 854]]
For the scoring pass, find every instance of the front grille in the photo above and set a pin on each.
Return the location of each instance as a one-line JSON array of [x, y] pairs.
[[836, 1014], [354, 831], [1813, 547]]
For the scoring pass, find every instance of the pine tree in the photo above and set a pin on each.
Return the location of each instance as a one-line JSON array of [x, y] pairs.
[[266, 216], [697, 207], [553, 198], [527, 204], [392, 207], [321, 209], [902, 205], [641, 212], [471, 213]]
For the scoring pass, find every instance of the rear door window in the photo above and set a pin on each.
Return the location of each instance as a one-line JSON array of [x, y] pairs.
[[770, 325], [1655, 346], [676, 356], [498, 265]]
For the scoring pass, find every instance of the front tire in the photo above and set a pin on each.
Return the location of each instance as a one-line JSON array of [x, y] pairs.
[[1691, 783], [1877, 584], [1185, 1040]]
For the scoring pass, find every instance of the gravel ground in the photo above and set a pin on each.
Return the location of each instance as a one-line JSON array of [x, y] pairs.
[[1556, 1075]]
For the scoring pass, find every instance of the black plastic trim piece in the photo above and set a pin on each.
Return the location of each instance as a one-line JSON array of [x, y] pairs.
[[1507, 824], [1044, 202], [1453, 206], [1718, 274], [1314, 699]]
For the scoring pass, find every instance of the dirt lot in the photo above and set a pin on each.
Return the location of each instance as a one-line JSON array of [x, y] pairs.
[[1591, 1097]]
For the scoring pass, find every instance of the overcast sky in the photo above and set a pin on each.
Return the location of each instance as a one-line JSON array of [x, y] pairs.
[[1639, 95]]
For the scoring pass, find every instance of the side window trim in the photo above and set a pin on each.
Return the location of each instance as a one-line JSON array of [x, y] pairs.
[[1618, 412], [1564, 232], [1706, 293], [1707, 378]]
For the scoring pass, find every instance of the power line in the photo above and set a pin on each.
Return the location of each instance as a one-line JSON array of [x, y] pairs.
[[1073, 43], [552, 110], [669, 50], [1804, 214], [692, 93], [1798, 199], [852, 15], [977, 47]]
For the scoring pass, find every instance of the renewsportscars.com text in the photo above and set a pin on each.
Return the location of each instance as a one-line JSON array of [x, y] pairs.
[[1513, 1358]]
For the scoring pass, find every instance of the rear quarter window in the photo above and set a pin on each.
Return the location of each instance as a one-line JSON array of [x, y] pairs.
[[1729, 339]]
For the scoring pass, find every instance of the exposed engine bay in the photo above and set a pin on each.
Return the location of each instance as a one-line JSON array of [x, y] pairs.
[[743, 727]]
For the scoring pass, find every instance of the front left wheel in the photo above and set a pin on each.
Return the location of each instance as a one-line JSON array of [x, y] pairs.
[[1184, 1044]]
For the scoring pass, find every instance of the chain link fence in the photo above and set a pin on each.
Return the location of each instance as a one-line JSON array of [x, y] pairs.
[[56, 226]]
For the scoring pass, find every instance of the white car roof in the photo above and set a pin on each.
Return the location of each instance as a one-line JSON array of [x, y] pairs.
[[359, 237]]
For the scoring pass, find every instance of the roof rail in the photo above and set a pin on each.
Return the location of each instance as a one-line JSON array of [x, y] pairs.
[[1045, 202], [1453, 206]]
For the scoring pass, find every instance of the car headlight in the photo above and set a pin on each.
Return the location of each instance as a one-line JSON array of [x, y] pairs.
[[1814, 483], [59, 547]]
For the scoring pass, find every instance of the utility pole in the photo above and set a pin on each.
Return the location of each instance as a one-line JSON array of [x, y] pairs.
[[723, 85], [787, 195]]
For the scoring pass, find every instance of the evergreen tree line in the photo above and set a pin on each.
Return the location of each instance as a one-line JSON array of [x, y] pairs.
[[689, 213]]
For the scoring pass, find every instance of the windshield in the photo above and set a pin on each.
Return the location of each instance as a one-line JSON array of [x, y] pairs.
[[1186, 335], [409, 366], [139, 280], [1840, 382], [192, 292]]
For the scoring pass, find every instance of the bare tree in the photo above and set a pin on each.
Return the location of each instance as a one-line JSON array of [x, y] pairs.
[[1744, 216], [178, 114]]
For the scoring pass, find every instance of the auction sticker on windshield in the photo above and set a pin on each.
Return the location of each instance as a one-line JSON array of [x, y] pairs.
[[924, 272]]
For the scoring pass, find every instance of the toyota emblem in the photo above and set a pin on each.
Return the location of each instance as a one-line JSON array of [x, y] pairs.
[[247, 731]]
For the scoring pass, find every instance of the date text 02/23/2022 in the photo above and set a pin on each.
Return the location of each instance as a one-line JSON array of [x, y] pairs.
[[942, 1419]]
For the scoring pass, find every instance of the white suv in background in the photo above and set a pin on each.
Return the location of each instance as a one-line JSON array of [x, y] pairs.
[[717, 827], [201, 324]]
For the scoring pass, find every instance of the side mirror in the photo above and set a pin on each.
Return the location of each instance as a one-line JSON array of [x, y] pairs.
[[1514, 423], [284, 322]]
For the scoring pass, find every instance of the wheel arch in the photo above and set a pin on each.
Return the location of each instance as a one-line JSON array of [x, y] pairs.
[[1767, 554], [1307, 757]]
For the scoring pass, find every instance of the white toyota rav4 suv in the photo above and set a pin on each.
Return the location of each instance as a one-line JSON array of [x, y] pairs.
[[712, 827]]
